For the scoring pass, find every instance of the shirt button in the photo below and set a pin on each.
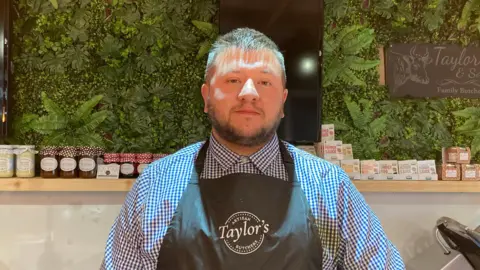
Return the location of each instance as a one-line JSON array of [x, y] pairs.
[[244, 160]]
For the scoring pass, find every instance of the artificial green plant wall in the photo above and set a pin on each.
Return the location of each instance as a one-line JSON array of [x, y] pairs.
[[415, 128], [145, 56]]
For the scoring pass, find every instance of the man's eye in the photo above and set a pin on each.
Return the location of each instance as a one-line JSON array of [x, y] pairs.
[[233, 81], [265, 83]]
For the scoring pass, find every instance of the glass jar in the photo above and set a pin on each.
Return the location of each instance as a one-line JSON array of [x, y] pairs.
[[6, 161], [25, 161], [99, 153], [48, 162], [68, 162], [127, 165], [87, 163], [143, 160]]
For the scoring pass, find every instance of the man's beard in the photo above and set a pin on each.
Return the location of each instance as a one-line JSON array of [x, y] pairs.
[[231, 134]]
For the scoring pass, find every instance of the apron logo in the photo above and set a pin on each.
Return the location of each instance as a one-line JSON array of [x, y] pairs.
[[243, 232]]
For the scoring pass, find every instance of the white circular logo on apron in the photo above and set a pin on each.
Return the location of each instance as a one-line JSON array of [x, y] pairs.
[[243, 232]]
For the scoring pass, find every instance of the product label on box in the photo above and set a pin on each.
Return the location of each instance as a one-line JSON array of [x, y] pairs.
[[332, 150], [407, 167], [470, 174], [328, 132], [464, 156], [351, 166], [388, 166], [369, 167], [426, 166], [110, 171], [347, 151], [451, 173]]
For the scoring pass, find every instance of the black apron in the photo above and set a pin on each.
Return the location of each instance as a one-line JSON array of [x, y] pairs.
[[242, 221]]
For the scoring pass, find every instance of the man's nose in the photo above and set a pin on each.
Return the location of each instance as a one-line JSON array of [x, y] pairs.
[[248, 91]]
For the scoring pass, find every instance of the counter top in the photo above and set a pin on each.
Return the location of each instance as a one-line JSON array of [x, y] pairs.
[[122, 185]]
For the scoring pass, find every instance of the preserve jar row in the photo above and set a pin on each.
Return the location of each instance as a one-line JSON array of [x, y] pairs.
[[17, 160], [70, 161], [83, 162]]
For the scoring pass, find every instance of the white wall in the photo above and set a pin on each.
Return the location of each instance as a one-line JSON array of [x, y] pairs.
[[67, 231]]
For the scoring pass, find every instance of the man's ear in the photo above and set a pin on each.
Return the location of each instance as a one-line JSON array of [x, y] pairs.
[[205, 96], [285, 94]]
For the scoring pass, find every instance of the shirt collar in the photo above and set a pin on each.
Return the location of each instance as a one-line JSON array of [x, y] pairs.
[[261, 159]]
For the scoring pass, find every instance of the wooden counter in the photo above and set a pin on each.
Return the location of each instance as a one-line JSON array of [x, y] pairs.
[[123, 185]]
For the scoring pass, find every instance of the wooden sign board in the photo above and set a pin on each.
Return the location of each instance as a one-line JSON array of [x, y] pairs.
[[429, 70]]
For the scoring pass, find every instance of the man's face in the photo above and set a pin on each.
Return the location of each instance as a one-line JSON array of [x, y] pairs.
[[244, 96]]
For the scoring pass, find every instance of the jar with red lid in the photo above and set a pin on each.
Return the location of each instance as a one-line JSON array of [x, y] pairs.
[[143, 160], [127, 165], [158, 156], [49, 162], [68, 162], [111, 158]]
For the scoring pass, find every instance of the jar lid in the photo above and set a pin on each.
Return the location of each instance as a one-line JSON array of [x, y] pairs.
[[6, 146], [127, 157], [49, 151], [159, 156], [144, 160], [68, 151], [20, 149], [144, 156], [111, 157], [87, 151], [99, 150], [25, 146]]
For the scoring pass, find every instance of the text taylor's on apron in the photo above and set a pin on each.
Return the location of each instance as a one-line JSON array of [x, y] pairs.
[[242, 221]]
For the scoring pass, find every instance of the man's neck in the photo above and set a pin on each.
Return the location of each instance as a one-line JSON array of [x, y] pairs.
[[239, 149]]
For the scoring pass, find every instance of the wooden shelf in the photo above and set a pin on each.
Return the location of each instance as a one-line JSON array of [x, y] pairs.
[[123, 185], [63, 184], [417, 186]]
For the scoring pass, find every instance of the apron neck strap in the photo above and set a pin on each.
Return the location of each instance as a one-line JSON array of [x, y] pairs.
[[286, 158]]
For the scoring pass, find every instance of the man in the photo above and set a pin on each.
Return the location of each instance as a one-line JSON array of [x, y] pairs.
[[244, 199]]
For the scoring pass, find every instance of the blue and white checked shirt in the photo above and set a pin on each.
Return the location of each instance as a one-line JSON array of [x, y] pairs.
[[351, 234]]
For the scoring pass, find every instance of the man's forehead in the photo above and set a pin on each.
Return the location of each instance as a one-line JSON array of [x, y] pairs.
[[234, 59]]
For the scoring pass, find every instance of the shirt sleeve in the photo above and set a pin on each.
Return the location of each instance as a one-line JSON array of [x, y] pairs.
[[364, 242], [125, 240]]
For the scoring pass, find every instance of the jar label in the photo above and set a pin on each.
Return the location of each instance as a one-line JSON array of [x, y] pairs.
[[142, 167], [6, 164], [68, 164], [470, 174], [451, 173], [127, 168], [86, 164], [25, 164], [48, 164]]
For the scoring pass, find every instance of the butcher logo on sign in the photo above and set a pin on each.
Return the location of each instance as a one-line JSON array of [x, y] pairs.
[[243, 232]]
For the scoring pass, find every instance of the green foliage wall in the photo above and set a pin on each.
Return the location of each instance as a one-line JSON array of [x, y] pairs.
[[415, 128], [142, 55]]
